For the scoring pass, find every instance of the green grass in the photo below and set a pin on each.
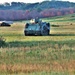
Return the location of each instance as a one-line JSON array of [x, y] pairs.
[[39, 55], [43, 73], [67, 18]]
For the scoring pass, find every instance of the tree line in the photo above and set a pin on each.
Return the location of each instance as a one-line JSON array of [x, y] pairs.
[[27, 14], [39, 6], [24, 11]]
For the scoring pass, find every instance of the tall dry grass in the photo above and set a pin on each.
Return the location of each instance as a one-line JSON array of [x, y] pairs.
[[27, 54]]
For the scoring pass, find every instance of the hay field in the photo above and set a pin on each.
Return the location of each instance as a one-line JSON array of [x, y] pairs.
[[39, 55]]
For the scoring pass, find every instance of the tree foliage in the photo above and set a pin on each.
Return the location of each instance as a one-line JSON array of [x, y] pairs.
[[21, 11]]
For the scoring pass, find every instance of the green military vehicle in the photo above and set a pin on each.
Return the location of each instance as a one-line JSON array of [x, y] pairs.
[[37, 27]]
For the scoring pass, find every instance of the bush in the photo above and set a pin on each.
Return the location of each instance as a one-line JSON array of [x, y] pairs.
[[2, 42], [55, 25]]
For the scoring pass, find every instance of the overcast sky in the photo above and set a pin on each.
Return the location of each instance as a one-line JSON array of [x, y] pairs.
[[28, 1]]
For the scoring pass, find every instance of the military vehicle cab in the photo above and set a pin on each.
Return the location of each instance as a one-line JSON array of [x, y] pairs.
[[37, 27]]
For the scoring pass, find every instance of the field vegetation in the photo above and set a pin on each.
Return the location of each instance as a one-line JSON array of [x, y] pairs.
[[39, 55]]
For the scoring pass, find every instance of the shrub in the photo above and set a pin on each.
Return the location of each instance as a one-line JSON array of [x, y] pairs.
[[55, 25], [2, 42]]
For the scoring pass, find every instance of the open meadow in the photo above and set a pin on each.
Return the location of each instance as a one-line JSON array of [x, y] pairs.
[[39, 55]]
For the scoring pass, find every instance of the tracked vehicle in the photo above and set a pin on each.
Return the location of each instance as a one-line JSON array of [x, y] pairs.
[[37, 27]]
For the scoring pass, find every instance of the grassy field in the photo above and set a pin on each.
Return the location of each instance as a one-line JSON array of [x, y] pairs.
[[39, 55]]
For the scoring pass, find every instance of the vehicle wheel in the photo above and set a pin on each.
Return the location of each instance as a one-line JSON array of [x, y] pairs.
[[25, 33], [48, 24], [26, 26], [45, 31]]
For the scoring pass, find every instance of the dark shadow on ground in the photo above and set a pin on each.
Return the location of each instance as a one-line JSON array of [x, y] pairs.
[[54, 35], [39, 43], [61, 34]]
